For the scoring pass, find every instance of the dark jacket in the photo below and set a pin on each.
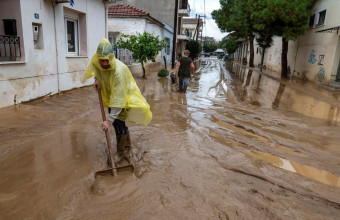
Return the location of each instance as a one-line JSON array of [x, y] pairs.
[[184, 68]]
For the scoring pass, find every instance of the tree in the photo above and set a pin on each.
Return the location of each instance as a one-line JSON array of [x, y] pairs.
[[194, 47], [222, 43], [231, 45], [144, 46], [209, 46], [287, 19], [235, 16]]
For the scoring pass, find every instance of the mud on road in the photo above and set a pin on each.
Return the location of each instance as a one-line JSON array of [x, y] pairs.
[[235, 146]]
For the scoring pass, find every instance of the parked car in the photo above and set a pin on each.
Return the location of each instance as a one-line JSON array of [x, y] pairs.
[[206, 54]]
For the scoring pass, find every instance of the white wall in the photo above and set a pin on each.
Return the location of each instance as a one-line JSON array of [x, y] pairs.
[[168, 33], [135, 25], [39, 75]]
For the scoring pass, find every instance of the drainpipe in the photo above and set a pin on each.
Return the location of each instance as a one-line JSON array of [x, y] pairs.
[[174, 42], [56, 45], [106, 19]]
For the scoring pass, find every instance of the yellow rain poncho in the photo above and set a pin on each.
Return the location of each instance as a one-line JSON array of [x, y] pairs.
[[118, 87]]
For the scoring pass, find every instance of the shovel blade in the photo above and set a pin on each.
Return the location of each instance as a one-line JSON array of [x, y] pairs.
[[128, 168]]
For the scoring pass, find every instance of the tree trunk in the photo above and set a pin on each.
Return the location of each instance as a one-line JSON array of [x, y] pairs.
[[251, 57], [284, 61], [262, 58], [143, 70]]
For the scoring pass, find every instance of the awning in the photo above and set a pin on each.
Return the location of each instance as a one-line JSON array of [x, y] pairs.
[[330, 30]]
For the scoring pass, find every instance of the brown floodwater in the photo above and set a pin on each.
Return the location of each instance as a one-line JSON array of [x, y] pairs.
[[239, 145]]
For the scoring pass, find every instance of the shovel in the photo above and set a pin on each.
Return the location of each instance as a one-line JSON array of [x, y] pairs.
[[114, 170]]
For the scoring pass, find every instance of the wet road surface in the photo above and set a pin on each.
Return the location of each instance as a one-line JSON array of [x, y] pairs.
[[235, 146]]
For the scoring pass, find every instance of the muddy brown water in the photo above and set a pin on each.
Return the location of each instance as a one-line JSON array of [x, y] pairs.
[[236, 146]]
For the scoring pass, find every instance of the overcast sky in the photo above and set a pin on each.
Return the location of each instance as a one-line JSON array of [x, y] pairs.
[[210, 29]]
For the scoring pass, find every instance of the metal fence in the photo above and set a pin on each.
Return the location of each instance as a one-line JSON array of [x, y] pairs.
[[125, 56], [9, 48]]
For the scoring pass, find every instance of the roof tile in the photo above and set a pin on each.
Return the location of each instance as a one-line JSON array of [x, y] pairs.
[[126, 10]]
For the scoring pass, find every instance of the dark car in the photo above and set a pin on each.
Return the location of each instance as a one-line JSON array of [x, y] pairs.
[[206, 54]]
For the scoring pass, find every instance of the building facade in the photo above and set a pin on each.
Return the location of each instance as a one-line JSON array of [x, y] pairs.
[[182, 34], [127, 19], [45, 46], [193, 27], [314, 56]]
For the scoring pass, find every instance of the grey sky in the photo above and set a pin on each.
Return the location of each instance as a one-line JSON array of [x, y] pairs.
[[210, 29]]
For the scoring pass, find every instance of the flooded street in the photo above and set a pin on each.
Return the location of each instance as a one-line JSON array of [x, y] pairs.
[[235, 146]]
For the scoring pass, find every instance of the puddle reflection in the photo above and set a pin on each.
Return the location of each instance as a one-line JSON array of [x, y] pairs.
[[304, 170], [263, 90]]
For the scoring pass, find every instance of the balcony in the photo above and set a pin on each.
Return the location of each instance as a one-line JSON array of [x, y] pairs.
[[184, 35], [184, 9], [10, 48]]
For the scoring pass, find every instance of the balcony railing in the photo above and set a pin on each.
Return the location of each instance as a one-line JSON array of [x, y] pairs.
[[9, 48], [184, 8]]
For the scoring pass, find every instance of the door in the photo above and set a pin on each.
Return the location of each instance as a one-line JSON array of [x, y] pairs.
[[337, 79]]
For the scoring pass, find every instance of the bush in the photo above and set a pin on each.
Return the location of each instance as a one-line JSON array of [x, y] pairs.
[[163, 73], [194, 47]]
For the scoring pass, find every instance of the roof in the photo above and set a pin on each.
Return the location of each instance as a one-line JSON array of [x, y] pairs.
[[126, 10], [191, 21], [130, 11], [219, 51]]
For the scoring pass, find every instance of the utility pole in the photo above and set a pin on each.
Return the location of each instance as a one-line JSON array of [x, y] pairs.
[[174, 42], [198, 26]]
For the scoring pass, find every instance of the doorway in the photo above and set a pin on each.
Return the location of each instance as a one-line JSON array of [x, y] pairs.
[[337, 79]]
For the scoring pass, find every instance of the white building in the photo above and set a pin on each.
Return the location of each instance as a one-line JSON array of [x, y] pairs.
[[126, 19], [315, 55], [45, 46]]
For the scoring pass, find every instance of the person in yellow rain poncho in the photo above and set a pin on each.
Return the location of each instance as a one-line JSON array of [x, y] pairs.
[[119, 93]]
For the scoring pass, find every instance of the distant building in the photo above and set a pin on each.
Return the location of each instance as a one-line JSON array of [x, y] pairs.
[[182, 34], [193, 27], [162, 10], [45, 46], [209, 39]]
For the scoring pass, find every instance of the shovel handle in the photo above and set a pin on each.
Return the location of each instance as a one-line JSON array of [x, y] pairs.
[[114, 171]]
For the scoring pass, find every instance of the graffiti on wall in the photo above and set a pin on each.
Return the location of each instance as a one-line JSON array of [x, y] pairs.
[[321, 74], [321, 58], [277, 57], [312, 58]]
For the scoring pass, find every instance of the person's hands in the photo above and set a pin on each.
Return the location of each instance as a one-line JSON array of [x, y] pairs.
[[96, 85], [105, 125]]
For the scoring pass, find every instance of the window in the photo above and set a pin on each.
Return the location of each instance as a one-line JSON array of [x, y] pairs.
[[311, 21], [322, 17], [112, 40], [10, 26], [71, 27], [75, 33]]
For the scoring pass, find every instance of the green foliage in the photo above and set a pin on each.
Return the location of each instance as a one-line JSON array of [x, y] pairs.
[[209, 46], [144, 46], [163, 73], [231, 45], [287, 19], [194, 47], [222, 43], [265, 19], [235, 16]]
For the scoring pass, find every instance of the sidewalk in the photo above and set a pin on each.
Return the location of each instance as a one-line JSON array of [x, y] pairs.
[[266, 89]]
